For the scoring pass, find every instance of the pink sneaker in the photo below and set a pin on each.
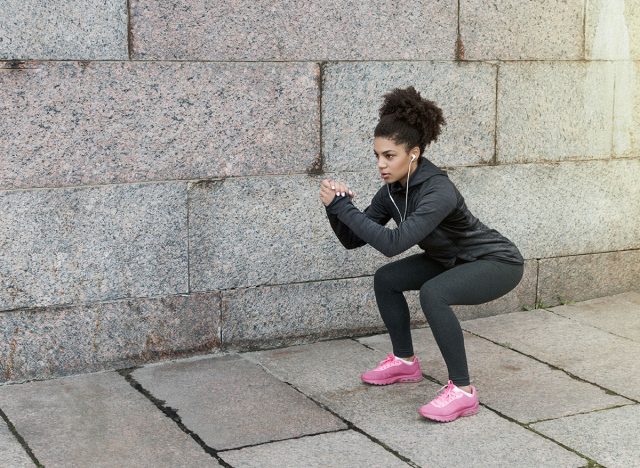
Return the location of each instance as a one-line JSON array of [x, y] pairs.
[[451, 403], [393, 369]]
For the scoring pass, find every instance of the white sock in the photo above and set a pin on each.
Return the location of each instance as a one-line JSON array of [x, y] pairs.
[[404, 359], [464, 391]]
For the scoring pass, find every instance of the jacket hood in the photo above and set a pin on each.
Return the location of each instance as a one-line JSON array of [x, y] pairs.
[[425, 170]]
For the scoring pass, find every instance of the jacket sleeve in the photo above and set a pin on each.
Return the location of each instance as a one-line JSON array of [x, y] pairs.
[[437, 200], [375, 212]]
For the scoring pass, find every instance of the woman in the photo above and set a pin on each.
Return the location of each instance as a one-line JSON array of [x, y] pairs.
[[465, 262]]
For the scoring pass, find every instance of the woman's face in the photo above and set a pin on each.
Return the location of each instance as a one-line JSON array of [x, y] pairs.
[[393, 160]]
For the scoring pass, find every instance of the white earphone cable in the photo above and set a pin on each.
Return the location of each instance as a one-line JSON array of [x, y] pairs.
[[406, 199]]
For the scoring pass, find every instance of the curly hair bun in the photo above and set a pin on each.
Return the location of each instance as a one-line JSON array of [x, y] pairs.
[[422, 114]]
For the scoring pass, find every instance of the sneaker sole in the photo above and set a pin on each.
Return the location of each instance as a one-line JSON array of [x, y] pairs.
[[448, 418], [393, 380]]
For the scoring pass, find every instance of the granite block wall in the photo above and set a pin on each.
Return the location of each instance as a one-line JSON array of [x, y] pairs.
[[160, 163]]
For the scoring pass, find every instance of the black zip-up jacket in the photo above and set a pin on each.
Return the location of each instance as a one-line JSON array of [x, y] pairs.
[[438, 221]]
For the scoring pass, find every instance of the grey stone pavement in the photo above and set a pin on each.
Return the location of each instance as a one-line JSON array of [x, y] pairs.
[[558, 387]]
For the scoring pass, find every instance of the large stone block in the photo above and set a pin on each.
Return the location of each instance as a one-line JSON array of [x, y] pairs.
[[552, 111], [582, 277], [230, 402], [293, 30], [297, 313], [271, 230], [97, 420], [612, 29], [353, 94], [57, 29], [517, 30], [551, 210], [67, 340], [107, 122], [76, 245]]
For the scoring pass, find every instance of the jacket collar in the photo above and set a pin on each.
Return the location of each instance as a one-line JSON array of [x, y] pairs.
[[425, 170]]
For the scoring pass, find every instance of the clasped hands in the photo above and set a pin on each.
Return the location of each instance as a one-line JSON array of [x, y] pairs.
[[331, 188]]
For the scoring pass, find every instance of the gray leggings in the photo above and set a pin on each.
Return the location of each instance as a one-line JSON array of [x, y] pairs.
[[474, 282]]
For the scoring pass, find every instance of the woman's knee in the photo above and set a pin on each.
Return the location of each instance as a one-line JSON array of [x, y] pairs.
[[383, 278], [430, 296]]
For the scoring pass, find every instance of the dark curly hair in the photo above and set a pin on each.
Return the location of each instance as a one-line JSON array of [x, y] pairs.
[[407, 118]]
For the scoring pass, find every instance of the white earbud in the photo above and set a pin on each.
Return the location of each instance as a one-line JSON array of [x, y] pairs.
[[413, 157]]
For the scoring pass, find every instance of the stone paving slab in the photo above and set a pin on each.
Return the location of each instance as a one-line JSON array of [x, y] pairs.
[[338, 449], [97, 420], [586, 352], [390, 414], [319, 368], [618, 314], [515, 385], [230, 402], [609, 437], [11, 452]]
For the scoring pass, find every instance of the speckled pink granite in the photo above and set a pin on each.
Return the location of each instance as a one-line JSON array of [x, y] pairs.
[[68, 123], [293, 30], [81, 245], [517, 30], [55, 341], [63, 30], [353, 93]]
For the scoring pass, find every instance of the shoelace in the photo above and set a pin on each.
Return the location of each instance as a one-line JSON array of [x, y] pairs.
[[386, 362], [447, 395]]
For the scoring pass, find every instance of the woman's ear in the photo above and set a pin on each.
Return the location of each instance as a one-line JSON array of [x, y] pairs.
[[415, 153]]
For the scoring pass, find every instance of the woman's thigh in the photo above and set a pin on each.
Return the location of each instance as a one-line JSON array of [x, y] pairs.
[[475, 282], [409, 273]]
